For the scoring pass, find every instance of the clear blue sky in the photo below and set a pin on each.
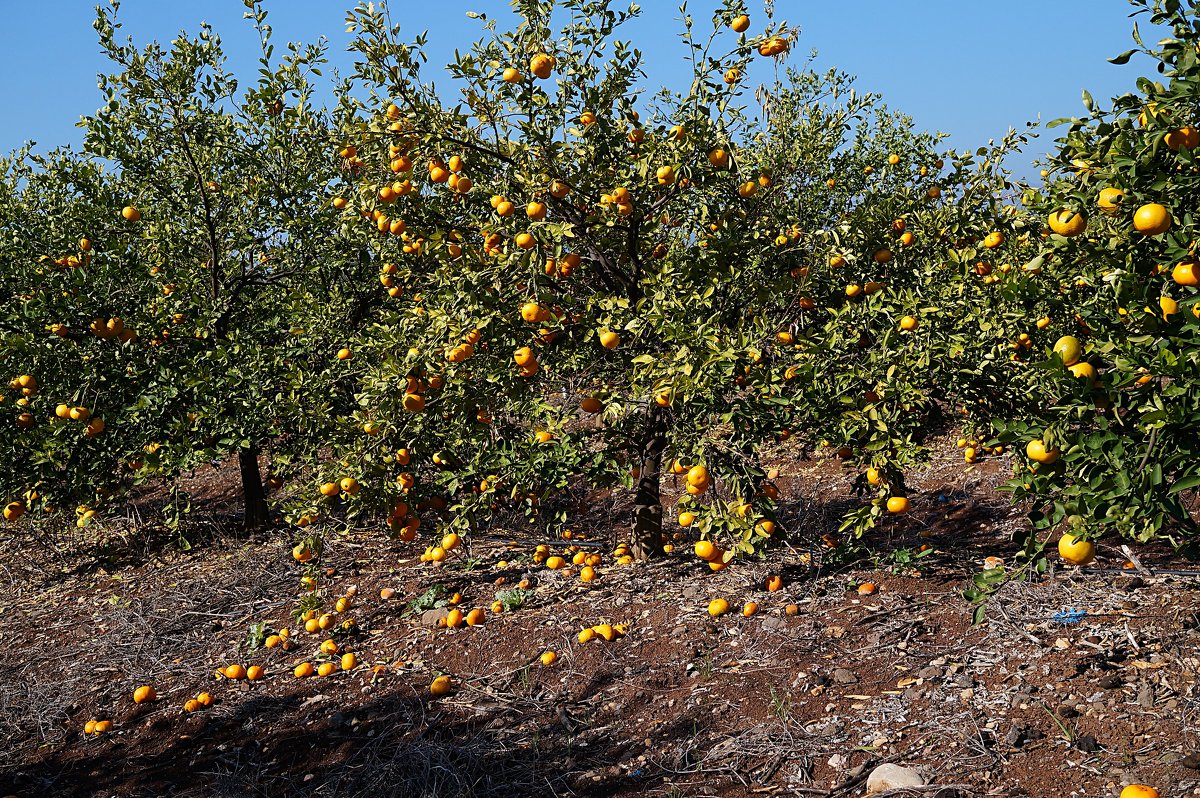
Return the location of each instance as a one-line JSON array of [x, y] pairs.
[[968, 68]]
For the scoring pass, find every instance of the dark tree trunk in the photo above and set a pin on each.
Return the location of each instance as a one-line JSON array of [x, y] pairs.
[[646, 536], [255, 516]]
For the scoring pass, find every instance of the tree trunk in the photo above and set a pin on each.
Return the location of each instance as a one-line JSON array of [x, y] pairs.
[[646, 535], [255, 515]]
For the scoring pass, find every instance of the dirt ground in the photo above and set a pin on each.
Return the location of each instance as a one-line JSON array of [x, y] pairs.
[[1075, 684]]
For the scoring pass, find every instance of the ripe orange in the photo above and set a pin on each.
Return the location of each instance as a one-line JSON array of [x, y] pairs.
[[774, 583], [718, 607], [131, 214], [908, 323], [440, 686], [548, 658], [1110, 200], [511, 75], [204, 699], [475, 617], [587, 574], [590, 404], [867, 589], [719, 158], [1186, 138], [897, 504], [993, 239], [1139, 791], [1185, 272], [687, 518], [302, 670], [541, 65], [1076, 551], [191, 705], [740, 23], [1152, 219], [234, 672], [327, 669], [349, 661], [609, 339], [144, 694], [254, 673], [1036, 451], [1067, 223]]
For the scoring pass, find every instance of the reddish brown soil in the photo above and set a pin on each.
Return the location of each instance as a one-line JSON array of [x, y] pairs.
[[684, 705]]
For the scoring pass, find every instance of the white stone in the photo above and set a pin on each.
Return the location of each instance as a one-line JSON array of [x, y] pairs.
[[892, 777]]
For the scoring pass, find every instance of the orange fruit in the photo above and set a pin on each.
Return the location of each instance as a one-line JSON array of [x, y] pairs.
[[541, 65], [774, 583], [686, 519], [1067, 223], [1075, 551], [454, 618], [1110, 200], [191, 705], [548, 658], [587, 574], [1139, 791], [349, 661], [131, 214], [749, 609], [144, 694], [204, 699], [1186, 272], [1036, 451], [1186, 138], [897, 505], [718, 607], [590, 404], [103, 726], [740, 23], [609, 339], [302, 670], [234, 672], [867, 589], [1069, 349], [440, 686], [475, 617], [1152, 219], [993, 239], [908, 323], [254, 673], [327, 669]]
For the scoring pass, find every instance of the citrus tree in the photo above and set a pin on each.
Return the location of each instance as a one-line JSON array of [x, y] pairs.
[[591, 285], [173, 288], [1108, 444]]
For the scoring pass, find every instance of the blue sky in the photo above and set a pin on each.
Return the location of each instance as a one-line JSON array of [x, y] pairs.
[[970, 69]]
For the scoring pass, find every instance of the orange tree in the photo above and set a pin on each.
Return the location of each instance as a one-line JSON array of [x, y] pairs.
[[1108, 442], [585, 294], [170, 292]]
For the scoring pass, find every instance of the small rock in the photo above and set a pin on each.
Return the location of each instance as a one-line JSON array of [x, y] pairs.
[[1068, 711], [1191, 761], [1134, 583], [1015, 737], [434, 618], [1110, 682], [1087, 744], [930, 672], [893, 777], [1145, 696], [843, 676]]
